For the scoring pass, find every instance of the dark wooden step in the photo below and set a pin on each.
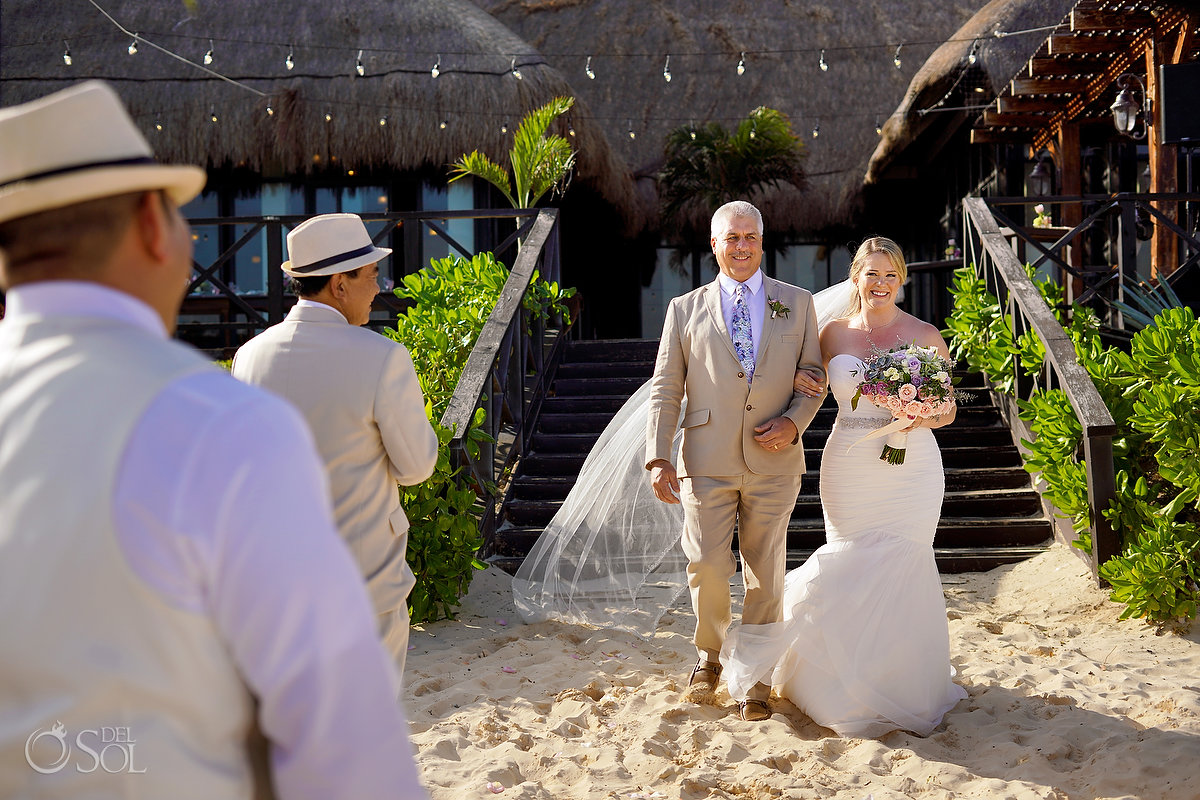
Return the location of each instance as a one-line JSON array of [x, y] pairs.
[[606, 369], [592, 350]]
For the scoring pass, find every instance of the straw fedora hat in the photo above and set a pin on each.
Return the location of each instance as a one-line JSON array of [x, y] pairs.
[[330, 244], [77, 145]]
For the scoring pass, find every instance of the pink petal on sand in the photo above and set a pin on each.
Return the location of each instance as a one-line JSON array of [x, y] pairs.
[[509, 670], [495, 788], [501, 622]]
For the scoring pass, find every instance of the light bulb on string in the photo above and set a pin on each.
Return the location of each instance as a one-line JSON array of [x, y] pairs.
[[632, 135], [587, 69], [896, 57], [358, 65], [132, 49], [822, 63], [383, 121], [878, 128], [270, 110], [816, 131], [328, 117], [158, 126], [66, 53], [442, 125], [570, 129], [516, 73], [741, 67], [753, 130], [692, 129], [437, 67], [504, 126], [290, 61], [667, 70], [208, 55], [212, 116]]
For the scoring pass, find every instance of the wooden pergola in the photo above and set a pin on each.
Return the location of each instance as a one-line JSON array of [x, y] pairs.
[[1071, 80]]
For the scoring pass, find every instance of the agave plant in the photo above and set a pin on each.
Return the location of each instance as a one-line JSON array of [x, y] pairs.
[[540, 161], [1147, 303]]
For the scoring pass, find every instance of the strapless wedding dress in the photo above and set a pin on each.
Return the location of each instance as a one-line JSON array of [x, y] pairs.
[[863, 647]]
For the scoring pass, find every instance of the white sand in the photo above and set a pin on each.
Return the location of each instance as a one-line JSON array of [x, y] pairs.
[[1065, 702]]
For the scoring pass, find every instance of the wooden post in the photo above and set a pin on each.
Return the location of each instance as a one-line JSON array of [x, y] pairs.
[[1072, 213], [1164, 246]]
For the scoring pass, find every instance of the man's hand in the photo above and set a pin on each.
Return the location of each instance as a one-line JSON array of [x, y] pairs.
[[775, 434], [665, 481]]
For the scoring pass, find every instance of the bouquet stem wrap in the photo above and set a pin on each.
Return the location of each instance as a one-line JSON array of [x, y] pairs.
[[893, 448]]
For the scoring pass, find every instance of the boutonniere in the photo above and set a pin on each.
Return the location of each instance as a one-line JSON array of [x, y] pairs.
[[777, 308]]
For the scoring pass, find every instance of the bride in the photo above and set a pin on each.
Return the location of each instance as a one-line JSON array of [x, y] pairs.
[[863, 646]]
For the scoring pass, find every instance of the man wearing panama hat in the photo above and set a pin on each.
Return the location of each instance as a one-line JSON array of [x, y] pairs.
[[173, 581], [360, 395]]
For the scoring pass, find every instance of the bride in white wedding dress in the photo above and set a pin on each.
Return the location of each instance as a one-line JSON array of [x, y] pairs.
[[863, 646]]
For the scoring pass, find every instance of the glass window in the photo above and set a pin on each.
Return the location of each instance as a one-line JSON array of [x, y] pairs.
[[206, 245], [457, 196], [672, 277]]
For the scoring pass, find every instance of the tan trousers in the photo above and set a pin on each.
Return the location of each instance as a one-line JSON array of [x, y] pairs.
[[761, 506], [393, 632]]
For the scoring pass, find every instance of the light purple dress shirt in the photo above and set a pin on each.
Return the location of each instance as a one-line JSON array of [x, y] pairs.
[[221, 506], [757, 303]]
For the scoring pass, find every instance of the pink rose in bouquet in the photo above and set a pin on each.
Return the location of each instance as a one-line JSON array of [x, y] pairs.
[[910, 381]]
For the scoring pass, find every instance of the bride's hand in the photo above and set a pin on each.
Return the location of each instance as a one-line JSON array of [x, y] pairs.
[[913, 425], [809, 383]]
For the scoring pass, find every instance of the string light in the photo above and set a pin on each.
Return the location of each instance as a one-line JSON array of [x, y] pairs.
[[383, 121], [816, 131], [208, 55], [437, 67], [158, 126], [587, 69], [516, 73], [692, 129], [753, 129], [632, 135], [667, 70], [504, 126], [442, 125], [66, 53], [570, 129], [358, 65], [290, 61], [971, 57], [132, 49], [878, 128], [212, 115], [270, 110], [328, 117], [822, 64], [741, 67], [896, 57]]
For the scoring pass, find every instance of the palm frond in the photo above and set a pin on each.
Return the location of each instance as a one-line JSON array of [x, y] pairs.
[[478, 165]]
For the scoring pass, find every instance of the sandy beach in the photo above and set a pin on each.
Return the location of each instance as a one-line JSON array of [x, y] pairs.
[[1065, 702]]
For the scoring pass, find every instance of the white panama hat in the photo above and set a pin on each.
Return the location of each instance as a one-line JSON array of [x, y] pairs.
[[330, 244], [77, 145]]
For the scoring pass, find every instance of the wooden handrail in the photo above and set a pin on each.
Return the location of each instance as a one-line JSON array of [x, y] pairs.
[[1094, 418]]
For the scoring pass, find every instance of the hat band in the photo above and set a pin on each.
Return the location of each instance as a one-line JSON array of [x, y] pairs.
[[328, 262], [122, 162]]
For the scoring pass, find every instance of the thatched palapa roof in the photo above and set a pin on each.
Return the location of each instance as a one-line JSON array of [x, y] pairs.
[[474, 95], [949, 80], [782, 41]]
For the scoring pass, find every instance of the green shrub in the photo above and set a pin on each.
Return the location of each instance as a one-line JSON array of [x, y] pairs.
[[1153, 394], [452, 299]]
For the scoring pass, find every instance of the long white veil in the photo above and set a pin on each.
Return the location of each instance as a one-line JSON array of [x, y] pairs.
[[611, 556]]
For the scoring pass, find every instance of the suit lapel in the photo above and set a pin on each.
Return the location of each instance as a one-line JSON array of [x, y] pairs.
[[712, 303], [770, 290]]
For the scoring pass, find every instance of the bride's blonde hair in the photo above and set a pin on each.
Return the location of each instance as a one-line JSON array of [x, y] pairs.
[[869, 247]]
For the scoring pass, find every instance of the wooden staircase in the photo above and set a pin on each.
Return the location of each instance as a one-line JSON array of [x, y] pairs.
[[991, 515]]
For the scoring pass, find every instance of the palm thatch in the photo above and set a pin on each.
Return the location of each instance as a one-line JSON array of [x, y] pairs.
[[782, 41], [949, 79], [321, 111]]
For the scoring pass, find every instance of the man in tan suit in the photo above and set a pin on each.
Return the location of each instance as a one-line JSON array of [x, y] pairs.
[[732, 348], [360, 395]]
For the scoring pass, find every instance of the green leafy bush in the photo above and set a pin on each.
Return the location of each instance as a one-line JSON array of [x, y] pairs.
[[452, 299], [1153, 394]]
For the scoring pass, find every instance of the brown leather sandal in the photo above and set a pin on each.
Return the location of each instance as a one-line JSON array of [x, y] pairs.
[[753, 710], [705, 673]]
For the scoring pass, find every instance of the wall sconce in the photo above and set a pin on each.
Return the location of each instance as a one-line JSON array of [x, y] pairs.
[[1041, 178], [1126, 108]]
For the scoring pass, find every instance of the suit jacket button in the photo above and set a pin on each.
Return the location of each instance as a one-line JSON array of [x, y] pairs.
[[749, 408], [741, 374]]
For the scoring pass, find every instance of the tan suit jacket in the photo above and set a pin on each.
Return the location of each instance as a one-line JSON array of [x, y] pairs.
[[359, 392], [696, 359]]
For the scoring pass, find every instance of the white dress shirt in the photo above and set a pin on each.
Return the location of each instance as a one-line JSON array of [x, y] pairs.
[[757, 301], [221, 507]]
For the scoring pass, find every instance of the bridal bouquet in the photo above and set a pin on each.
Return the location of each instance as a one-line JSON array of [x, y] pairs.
[[910, 382]]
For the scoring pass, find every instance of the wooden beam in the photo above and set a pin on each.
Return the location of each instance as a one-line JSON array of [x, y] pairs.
[[1048, 85], [1048, 67], [998, 120], [1069, 163], [1023, 105], [1093, 20], [1164, 246], [1185, 42], [993, 136], [1065, 43]]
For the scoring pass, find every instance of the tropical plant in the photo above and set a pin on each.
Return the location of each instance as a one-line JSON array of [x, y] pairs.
[[539, 161], [708, 166], [452, 299], [1147, 302], [1153, 394]]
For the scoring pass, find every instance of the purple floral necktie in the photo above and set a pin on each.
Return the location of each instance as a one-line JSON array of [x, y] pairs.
[[743, 340]]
